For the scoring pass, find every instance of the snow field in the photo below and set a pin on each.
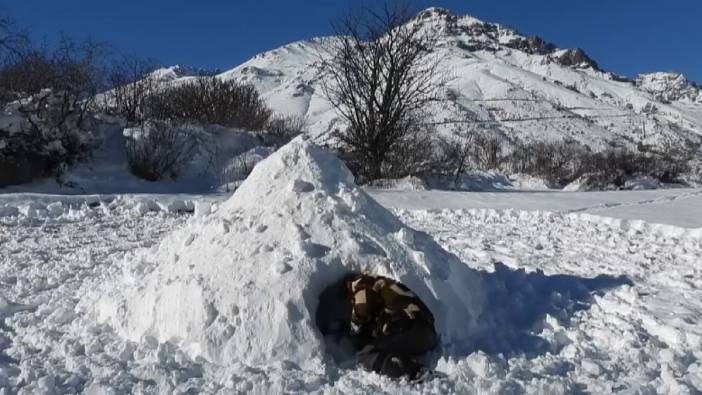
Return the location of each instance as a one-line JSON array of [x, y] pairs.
[[638, 338], [147, 294], [48, 344], [666, 210], [622, 340], [635, 334]]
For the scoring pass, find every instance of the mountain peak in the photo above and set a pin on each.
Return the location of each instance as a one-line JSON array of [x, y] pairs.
[[434, 11]]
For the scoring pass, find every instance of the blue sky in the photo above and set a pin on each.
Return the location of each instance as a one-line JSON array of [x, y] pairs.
[[625, 36]]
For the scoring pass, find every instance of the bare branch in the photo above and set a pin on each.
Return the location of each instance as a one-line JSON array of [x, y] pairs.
[[380, 74]]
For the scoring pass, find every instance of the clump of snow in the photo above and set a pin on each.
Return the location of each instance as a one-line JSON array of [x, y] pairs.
[[409, 183], [526, 182], [589, 182], [474, 180], [641, 182], [598, 182], [235, 168], [242, 283]]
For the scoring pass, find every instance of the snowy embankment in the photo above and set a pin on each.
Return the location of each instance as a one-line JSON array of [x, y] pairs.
[[558, 302], [661, 209], [656, 209]]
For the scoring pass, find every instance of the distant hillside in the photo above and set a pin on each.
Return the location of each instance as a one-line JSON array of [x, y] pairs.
[[523, 88]]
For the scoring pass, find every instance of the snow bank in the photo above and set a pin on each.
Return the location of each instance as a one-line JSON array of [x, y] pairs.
[[242, 283], [409, 183]]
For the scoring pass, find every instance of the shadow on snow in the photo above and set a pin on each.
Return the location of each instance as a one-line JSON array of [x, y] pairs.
[[518, 303]]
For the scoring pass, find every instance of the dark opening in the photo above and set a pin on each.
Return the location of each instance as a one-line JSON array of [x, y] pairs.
[[333, 319]]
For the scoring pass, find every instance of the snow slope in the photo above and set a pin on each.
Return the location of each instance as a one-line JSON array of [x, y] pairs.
[[522, 88]]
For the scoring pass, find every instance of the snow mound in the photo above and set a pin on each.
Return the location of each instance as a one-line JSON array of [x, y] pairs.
[[241, 284]]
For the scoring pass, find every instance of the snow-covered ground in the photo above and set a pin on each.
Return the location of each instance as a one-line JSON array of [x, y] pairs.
[[569, 301], [666, 207]]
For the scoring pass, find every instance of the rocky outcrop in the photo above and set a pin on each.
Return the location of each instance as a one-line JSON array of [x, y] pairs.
[[532, 45], [575, 58], [669, 87]]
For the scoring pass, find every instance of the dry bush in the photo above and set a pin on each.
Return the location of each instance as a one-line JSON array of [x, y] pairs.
[[561, 162], [564, 162], [281, 129], [210, 100], [160, 150]]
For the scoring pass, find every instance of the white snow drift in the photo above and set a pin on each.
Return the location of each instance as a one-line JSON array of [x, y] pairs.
[[241, 284]]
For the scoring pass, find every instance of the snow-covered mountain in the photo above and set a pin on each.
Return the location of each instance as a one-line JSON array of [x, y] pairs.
[[669, 87], [179, 72], [521, 87]]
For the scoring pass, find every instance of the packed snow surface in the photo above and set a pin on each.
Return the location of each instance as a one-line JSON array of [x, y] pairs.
[[564, 329], [664, 208]]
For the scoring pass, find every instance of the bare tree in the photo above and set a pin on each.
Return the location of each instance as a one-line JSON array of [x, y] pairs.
[[13, 43], [380, 75], [132, 83], [456, 157], [13, 40], [488, 150], [280, 129]]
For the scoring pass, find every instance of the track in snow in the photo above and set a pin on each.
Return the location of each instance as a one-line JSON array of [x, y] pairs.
[[562, 330], [644, 337]]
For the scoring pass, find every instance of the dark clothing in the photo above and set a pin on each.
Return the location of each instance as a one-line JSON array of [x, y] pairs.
[[391, 323], [382, 307], [394, 355], [381, 320]]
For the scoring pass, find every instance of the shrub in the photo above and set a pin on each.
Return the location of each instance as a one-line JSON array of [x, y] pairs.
[[212, 101], [73, 68], [51, 96], [562, 162], [281, 129], [159, 150], [45, 133]]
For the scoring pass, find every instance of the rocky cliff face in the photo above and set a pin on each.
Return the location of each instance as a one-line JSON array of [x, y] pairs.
[[670, 87]]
